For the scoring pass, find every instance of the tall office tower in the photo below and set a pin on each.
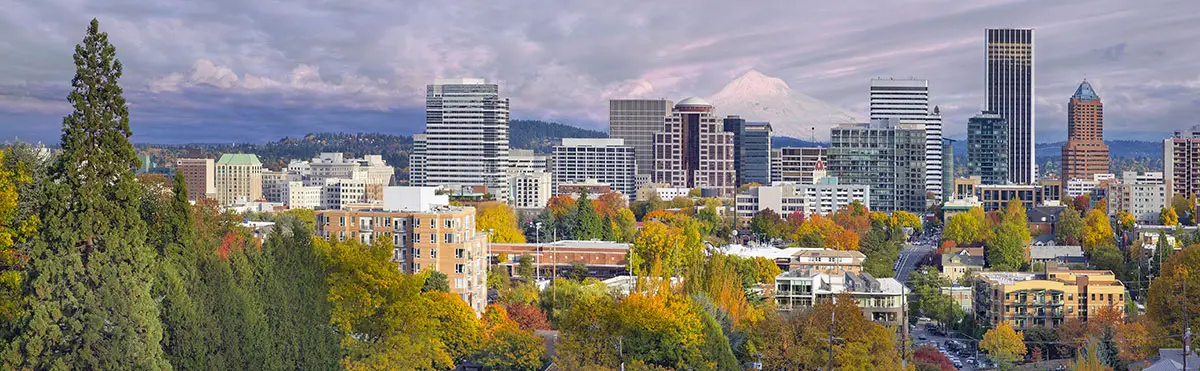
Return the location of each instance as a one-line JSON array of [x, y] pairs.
[[466, 135], [776, 166], [1010, 93], [239, 179], [636, 121], [200, 176], [908, 100], [1181, 162], [798, 163], [751, 150], [416, 162], [987, 141], [947, 169], [1085, 153], [693, 151], [887, 156], [604, 160]]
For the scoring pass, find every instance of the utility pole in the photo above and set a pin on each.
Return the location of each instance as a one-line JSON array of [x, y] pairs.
[[832, 318], [1187, 328], [903, 326]]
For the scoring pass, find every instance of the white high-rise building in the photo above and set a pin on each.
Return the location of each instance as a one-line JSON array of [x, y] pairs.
[[606, 160], [370, 169], [416, 162], [908, 100], [466, 135]]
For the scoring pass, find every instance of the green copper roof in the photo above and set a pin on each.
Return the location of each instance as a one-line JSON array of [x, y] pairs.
[[239, 159]]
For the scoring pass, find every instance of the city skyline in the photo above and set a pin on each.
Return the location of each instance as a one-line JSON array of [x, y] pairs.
[[256, 78]]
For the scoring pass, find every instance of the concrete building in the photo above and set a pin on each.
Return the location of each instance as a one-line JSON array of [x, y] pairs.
[[828, 261], [200, 176], [466, 135], [531, 190], [996, 197], [301, 196], [885, 155], [337, 193], [1181, 162], [947, 169], [694, 151], [661, 191], [1010, 92], [416, 162], [636, 121], [1142, 195], [798, 163], [881, 299], [603, 259], [593, 188], [371, 169], [824, 198], [987, 148], [427, 234], [751, 150], [525, 161], [776, 166], [606, 160], [1045, 299], [239, 179], [908, 100], [1084, 154]]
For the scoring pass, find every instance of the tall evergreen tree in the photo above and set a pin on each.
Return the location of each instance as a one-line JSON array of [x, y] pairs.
[[587, 221], [91, 272], [172, 232]]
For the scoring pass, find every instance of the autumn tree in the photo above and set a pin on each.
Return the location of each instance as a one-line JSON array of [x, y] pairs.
[[90, 266], [501, 221], [1168, 217], [14, 229], [1068, 230], [1088, 359], [928, 358], [967, 228], [1003, 345], [454, 324], [1097, 230], [435, 281], [1125, 222], [786, 343], [1166, 297]]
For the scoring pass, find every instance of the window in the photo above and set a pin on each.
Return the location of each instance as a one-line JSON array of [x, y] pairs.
[[433, 253], [432, 222], [460, 268], [433, 238], [416, 253], [460, 253], [460, 283], [416, 238], [416, 267], [416, 222], [342, 221]]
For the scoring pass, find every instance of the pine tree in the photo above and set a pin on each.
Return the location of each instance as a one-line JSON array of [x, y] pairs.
[[588, 223], [91, 272], [172, 232]]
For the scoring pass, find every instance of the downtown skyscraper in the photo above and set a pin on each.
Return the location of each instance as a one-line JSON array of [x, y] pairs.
[[1085, 153], [466, 135], [694, 151], [908, 101], [1010, 93], [636, 121]]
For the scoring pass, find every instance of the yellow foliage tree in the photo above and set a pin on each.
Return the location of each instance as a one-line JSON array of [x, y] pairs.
[[501, 220], [1168, 217], [1003, 344], [12, 232], [1097, 230], [904, 219]]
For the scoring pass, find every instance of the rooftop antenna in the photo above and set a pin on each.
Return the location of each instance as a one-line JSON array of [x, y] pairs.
[[813, 136]]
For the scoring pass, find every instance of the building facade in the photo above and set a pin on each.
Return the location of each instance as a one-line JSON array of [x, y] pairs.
[[466, 135], [301, 196], [1142, 195], [239, 179], [1045, 299], [798, 163], [908, 100], [606, 160], [531, 190], [751, 150], [694, 151], [1181, 162], [885, 155], [1084, 154], [881, 299], [947, 169], [525, 161], [200, 176], [1010, 93], [416, 161], [987, 148], [807, 199], [636, 121], [428, 236]]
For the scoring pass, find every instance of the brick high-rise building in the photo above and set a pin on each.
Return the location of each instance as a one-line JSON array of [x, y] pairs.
[[1085, 153], [694, 151], [200, 176]]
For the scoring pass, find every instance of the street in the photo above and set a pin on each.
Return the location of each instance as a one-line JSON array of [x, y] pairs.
[[910, 255], [921, 336]]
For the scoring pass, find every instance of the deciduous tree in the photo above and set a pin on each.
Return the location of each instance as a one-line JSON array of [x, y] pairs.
[[1097, 230], [967, 228], [1068, 230], [1003, 345], [501, 220]]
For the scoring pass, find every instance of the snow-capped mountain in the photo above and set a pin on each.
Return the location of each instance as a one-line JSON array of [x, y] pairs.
[[758, 97]]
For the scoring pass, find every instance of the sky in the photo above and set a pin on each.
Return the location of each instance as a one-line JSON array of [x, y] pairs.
[[258, 70]]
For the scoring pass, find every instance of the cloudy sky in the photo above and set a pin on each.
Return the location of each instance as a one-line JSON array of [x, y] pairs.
[[257, 70]]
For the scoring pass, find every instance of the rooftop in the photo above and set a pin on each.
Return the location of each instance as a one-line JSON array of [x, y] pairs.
[[1051, 252], [693, 102], [1085, 92], [239, 159], [1007, 278]]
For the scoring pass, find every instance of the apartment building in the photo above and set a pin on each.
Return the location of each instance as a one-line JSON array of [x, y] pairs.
[[606, 160], [530, 190], [1181, 162], [239, 179], [200, 176], [827, 261], [988, 148], [823, 198], [908, 100], [297, 195], [881, 299], [796, 164], [466, 135], [886, 155], [338, 193], [1142, 195], [1027, 299], [425, 233]]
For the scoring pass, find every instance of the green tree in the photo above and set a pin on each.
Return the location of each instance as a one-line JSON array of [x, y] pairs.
[[628, 224], [588, 224], [1109, 257], [1068, 230], [525, 268], [436, 281], [967, 228], [1005, 251], [882, 246], [91, 272], [766, 224]]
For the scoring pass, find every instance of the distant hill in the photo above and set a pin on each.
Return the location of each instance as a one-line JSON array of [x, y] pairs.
[[780, 142], [542, 136]]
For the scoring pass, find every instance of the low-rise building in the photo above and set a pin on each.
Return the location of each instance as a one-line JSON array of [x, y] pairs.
[[300, 196], [959, 262], [1051, 255], [823, 198], [828, 261], [1142, 195], [662, 191], [602, 259], [530, 190], [593, 188], [1027, 299], [426, 234], [881, 299], [962, 295]]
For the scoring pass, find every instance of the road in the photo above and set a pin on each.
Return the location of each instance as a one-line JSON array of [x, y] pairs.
[[936, 340], [910, 255]]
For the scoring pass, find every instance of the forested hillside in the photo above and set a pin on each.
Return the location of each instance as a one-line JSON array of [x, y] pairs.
[[542, 136]]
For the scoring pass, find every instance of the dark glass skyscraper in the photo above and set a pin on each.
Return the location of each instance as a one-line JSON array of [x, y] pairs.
[[1010, 93], [751, 150], [987, 137]]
